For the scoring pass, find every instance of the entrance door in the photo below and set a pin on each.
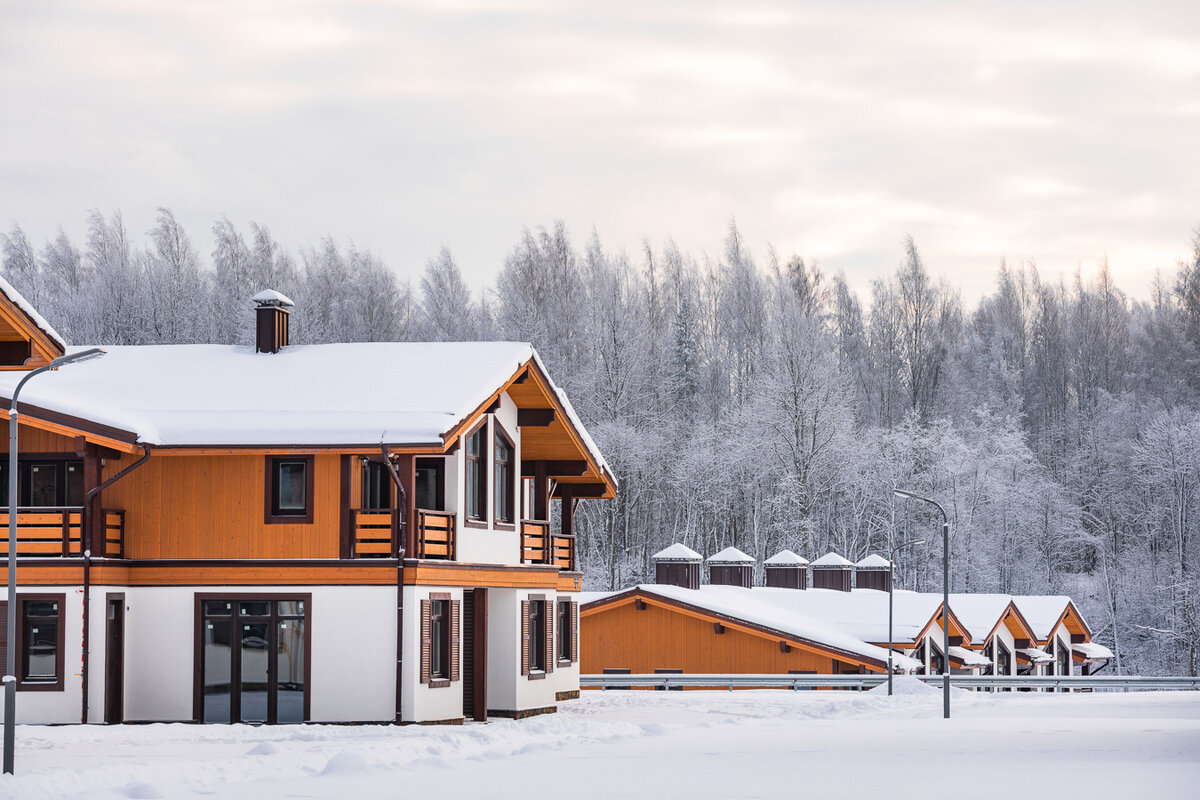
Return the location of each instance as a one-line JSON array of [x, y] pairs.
[[114, 660], [254, 659], [474, 654]]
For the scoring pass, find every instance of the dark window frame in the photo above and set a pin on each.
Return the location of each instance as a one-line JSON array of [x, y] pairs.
[[25, 463], [271, 515], [41, 685], [481, 475], [439, 467], [563, 632], [508, 523], [366, 483], [537, 637], [439, 634]]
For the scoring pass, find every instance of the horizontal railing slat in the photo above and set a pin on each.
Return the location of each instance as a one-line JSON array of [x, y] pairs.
[[1073, 682]]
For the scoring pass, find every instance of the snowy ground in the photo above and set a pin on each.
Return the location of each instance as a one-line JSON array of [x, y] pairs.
[[745, 744]]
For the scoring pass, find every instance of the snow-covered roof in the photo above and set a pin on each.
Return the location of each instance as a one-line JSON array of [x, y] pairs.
[[20, 302], [862, 613], [730, 555], [831, 560], [759, 607], [970, 658], [785, 558], [366, 393], [677, 552], [1091, 651], [874, 561], [979, 613], [270, 297], [1042, 612], [1036, 655]]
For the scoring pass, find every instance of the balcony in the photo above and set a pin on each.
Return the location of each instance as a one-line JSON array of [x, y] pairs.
[[373, 534], [58, 532], [539, 546]]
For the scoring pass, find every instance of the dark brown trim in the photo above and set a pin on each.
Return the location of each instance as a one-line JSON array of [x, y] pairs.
[[524, 713], [55, 685], [114, 673], [502, 526], [269, 516], [498, 430], [494, 407], [198, 645], [451, 721], [471, 523], [479, 640], [579, 490], [485, 466], [345, 529], [558, 469], [535, 417], [69, 421]]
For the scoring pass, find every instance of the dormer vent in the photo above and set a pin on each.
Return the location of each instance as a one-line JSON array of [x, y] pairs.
[[873, 572], [731, 567], [272, 310], [678, 565], [786, 570], [831, 571]]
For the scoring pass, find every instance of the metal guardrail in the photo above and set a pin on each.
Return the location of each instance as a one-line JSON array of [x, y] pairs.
[[860, 682]]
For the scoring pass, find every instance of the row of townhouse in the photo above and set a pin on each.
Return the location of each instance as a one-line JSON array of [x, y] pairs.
[[829, 617], [282, 533]]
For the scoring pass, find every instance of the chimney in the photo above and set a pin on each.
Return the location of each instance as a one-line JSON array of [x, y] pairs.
[[873, 572], [731, 567], [786, 570], [271, 328], [831, 571], [678, 565]]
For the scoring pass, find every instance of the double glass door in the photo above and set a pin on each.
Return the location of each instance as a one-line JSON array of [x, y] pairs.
[[253, 665]]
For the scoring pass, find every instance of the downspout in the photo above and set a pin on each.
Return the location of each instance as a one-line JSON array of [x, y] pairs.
[[402, 506], [87, 568]]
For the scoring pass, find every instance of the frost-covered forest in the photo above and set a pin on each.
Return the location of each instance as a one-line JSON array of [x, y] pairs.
[[749, 398]]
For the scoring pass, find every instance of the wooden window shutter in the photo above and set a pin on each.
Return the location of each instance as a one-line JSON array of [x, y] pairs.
[[426, 640], [455, 613], [4, 636], [574, 632], [524, 637], [549, 615]]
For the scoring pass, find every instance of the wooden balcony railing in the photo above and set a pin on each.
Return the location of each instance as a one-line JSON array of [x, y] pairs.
[[58, 532], [538, 546], [373, 530]]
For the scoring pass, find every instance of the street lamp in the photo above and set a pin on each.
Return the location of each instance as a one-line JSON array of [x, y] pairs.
[[10, 668], [902, 493], [891, 585]]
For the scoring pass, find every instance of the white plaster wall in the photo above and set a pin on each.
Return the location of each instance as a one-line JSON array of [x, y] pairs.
[[1003, 634], [56, 706], [422, 703], [504, 648], [353, 653], [486, 545], [160, 633]]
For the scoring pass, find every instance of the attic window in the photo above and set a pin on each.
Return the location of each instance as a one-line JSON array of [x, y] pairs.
[[14, 354], [289, 489]]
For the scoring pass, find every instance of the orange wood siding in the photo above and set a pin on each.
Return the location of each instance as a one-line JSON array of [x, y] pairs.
[[212, 507], [36, 440], [659, 638]]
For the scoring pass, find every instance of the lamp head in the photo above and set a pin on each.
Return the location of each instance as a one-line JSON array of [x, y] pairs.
[[76, 358]]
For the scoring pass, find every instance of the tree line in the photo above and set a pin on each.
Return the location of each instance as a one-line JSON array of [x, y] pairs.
[[755, 400]]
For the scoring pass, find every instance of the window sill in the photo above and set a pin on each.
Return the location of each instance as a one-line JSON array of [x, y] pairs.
[[284, 519], [563, 663], [505, 526], [439, 683], [475, 523], [536, 675], [40, 686]]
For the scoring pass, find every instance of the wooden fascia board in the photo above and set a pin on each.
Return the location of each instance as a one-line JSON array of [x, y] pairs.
[[1073, 619], [1017, 619], [72, 427], [696, 612], [39, 340], [954, 623]]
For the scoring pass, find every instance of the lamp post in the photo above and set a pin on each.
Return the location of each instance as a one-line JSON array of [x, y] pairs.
[[945, 593], [891, 585], [10, 668]]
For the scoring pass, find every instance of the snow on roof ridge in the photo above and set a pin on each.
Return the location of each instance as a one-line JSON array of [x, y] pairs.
[[730, 555], [271, 297], [20, 302], [677, 552], [786, 558], [832, 560], [874, 560]]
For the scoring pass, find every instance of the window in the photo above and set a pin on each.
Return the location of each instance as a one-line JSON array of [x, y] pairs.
[[39, 642], [504, 478], [376, 485], [562, 625], [440, 618], [43, 484], [537, 635], [476, 478], [289, 489], [1003, 659], [430, 489]]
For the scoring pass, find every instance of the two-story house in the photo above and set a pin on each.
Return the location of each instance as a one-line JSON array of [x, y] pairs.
[[284, 533]]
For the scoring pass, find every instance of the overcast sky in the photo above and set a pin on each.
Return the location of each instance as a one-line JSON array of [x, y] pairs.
[[1058, 132]]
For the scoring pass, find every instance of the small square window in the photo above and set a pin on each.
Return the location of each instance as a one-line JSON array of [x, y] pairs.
[[289, 489]]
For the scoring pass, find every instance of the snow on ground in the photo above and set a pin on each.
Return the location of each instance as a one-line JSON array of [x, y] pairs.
[[695, 745]]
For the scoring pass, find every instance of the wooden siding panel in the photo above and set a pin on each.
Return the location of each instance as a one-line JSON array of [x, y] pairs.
[[657, 638], [36, 440], [212, 507]]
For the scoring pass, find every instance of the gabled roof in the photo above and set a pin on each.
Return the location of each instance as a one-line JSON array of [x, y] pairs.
[[730, 555], [874, 561], [751, 607], [832, 560], [983, 614], [1045, 613], [785, 558], [366, 394], [20, 321]]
